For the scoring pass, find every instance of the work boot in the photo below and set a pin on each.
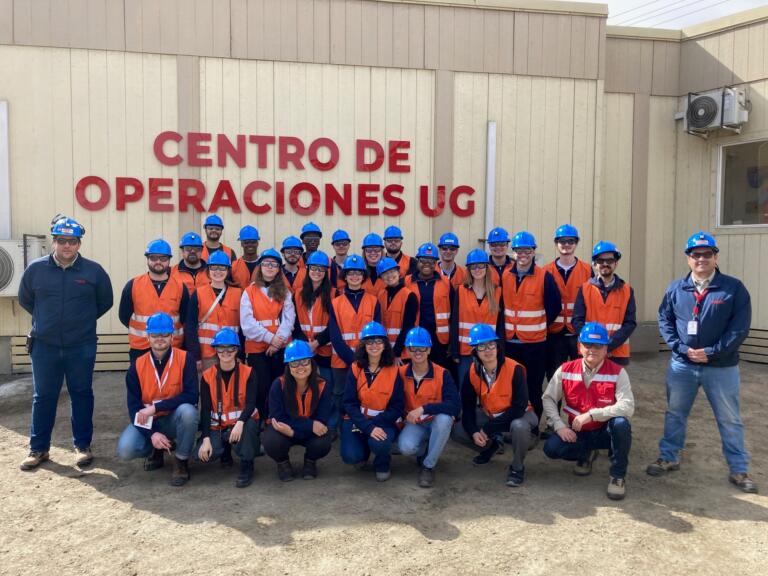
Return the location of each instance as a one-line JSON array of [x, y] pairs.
[[309, 471], [486, 454], [584, 467], [285, 471], [743, 482], [515, 477], [661, 467], [83, 457], [155, 460], [180, 474], [246, 474], [617, 487], [33, 460], [426, 477], [383, 476], [226, 456]]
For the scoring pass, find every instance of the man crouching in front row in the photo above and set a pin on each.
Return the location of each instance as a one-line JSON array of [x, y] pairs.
[[162, 398], [598, 401]]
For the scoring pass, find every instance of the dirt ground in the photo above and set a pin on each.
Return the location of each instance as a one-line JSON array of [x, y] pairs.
[[118, 519]]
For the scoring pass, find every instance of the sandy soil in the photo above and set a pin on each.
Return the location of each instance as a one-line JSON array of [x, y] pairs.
[[118, 519]]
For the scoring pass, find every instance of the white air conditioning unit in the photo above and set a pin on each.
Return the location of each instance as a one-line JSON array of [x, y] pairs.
[[724, 108], [12, 262]]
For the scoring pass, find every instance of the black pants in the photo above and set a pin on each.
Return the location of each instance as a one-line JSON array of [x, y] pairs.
[[561, 348], [534, 358], [277, 446], [267, 369]]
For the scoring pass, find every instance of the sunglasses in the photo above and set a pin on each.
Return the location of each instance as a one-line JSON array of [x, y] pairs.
[[486, 346], [68, 241], [449, 248], [605, 261], [156, 258], [592, 346], [427, 261], [472, 267], [303, 363], [417, 349], [341, 243], [701, 255], [374, 342], [566, 241], [226, 349], [292, 252]]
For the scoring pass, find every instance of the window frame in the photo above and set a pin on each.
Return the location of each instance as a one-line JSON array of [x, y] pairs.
[[721, 183]]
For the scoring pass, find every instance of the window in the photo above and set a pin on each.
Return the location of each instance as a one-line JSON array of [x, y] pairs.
[[744, 184]]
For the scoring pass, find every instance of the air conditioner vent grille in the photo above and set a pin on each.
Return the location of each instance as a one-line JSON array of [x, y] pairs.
[[6, 268]]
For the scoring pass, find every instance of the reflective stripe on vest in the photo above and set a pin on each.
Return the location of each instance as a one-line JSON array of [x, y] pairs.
[[226, 314], [580, 273], [146, 302], [374, 399], [524, 316], [265, 311], [609, 313], [169, 384], [441, 301], [580, 399], [496, 399], [351, 322]]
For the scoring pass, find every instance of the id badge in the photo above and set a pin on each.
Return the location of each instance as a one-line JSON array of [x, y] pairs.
[[693, 328]]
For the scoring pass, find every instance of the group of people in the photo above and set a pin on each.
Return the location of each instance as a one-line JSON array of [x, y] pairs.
[[384, 350]]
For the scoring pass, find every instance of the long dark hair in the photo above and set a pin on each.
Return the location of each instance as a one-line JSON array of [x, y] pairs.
[[387, 356], [500, 357], [289, 390], [308, 294], [228, 281], [277, 289]]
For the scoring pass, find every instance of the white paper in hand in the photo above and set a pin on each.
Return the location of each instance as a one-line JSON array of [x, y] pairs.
[[148, 424]]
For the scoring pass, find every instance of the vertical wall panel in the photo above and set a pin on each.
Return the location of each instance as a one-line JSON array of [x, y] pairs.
[[6, 21], [417, 37]]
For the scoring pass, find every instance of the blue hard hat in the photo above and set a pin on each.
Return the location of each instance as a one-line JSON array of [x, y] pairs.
[[448, 239], [523, 240], [418, 338], [427, 250], [219, 258], [340, 235], [291, 242], [701, 240], [371, 240], [159, 323], [602, 247], [566, 231], [480, 333], [477, 256], [67, 227], [213, 220], [297, 350], [385, 265], [226, 337], [498, 234], [373, 330], [392, 232], [310, 228], [159, 246], [249, 232], [353, 262], [594, 333], [271, 253], [319, 258], [191, 239]]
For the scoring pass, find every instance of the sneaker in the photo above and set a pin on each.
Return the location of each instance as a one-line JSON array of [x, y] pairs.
[[383, 476], [180, 474], [426, 477], [33, 460], [486, 454], [515, 477], [309, 471], [155, 460], [83, 457], [661, 467], [584, 467], [246, 474], [226, 459], [617, 487], [743, 482], [285, 471]]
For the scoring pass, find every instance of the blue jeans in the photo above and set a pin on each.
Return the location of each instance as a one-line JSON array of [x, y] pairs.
[[357, 447], [721, 385], [339, 383], [616, 436], [429, 437], [465, 363], [181, 425], [50, 366]]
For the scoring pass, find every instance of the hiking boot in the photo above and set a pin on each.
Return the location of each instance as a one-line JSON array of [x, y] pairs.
[[180, 474], [155, 460], [584, 467], [246, 474], [743, 482], [383, 476], [309, 470], [83, 457], [515, 477], [486, 454], [226, 456], [363, 466], [617, 487], [33, 460], [426, 477], [661, 467], [285, 471]]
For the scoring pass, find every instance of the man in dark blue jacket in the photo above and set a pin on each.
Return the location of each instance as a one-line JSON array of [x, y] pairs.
[[66, 294], [704, 318]]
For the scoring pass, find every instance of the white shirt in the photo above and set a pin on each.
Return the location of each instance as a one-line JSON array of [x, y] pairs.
[[254, 330]]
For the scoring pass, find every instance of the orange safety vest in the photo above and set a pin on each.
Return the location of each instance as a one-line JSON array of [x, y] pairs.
[[373, 288], [471, 313], [350, 322], [146, 302], [495, 273], [155, 388], [496, 398], [266, 311], [224, 248], [313, 322], [578, 399], [524, 315], [392, 314], [336, 268], [580, 273], [375, 398], [459, 273], [609, 313], [226, 314], [228, 398], [192, 283], [298, 280], [430, 390], [240, 273], [442, 302], [304, 402], [404, 264]]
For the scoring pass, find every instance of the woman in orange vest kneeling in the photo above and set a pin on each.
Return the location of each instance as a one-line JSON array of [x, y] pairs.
[[300, 406], [499, 384], [373, 403]]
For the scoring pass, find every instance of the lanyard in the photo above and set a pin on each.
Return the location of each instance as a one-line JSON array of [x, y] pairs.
[[699, 300], [167, 371]]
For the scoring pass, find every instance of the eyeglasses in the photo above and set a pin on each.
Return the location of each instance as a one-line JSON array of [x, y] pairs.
[[417, 349], [566, 241], [270, 264], [314, 268], [292, 252], [226, 349], [605, 261], [341, 243], [217, 268], [374, 341], [158, 258], [354, 272], [701, 255], [311, 236], [303, 363], [473, 267], [67, 241], [191, 249], [449, 248], [523, 251], [372, 250], [486, 346], [498, 244]]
